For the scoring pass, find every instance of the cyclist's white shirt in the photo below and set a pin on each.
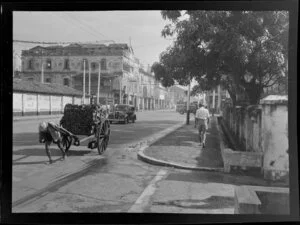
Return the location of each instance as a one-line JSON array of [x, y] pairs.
[[202, 113]]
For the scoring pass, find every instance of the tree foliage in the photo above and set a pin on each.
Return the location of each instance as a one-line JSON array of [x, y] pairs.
[[244, 51]]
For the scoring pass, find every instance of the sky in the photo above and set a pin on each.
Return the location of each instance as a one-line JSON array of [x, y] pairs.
[[141, 28]]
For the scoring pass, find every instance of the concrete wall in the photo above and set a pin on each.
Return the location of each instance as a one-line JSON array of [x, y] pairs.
[[262, 128], [25, 104], [245, 125], [275, 140]]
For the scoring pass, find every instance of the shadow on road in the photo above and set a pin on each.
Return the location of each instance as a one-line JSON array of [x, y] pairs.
[[52, 187], [212, 202], [15, 163], [54, 151], [220, 177]]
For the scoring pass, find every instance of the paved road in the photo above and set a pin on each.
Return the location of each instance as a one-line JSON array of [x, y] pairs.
[[85, 182], [115, 181]]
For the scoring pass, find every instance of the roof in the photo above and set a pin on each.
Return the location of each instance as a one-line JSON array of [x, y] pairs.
[[119, 45], [274, 99], [83, 45], [37, 87], [93, 45]]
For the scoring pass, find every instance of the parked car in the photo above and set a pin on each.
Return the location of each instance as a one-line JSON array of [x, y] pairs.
[[182, 108], [122, 113]]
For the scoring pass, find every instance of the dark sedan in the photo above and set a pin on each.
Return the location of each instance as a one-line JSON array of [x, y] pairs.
[[122, 113]]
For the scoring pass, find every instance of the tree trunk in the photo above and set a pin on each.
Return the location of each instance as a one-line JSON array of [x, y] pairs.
[[253, 92]]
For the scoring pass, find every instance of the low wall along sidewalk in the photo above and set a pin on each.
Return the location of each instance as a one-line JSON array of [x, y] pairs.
[[263, 129]]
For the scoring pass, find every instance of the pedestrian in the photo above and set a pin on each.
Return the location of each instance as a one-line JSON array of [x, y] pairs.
[[202, 116], [196, 108], [48, 134]]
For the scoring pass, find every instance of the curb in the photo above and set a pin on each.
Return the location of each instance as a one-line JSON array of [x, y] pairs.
[[141, 156]]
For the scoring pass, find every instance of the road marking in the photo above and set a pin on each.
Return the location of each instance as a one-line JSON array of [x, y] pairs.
[[144, 198]]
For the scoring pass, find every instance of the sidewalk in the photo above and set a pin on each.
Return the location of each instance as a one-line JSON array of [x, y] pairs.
[[201, 187], [181, 149]]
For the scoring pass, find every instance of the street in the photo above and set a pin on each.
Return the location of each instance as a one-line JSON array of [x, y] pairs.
[[86, 181], [203, 97]]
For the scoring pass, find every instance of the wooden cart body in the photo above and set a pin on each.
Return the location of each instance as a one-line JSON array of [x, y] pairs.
[[98, 137]]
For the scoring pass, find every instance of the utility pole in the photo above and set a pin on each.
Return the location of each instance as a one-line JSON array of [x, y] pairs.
[[83, 82], [89, 81], [42, 75], [188, 104], [42, 71], [120, 90], [98, 87]]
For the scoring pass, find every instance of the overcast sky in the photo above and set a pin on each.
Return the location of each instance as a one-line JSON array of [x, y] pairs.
[[143, 27]]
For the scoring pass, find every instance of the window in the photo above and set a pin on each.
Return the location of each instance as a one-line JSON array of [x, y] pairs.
[[103, 64], [30, 64], [67, 64], [66, 81], [94, 66], [48, 64], [48, 80]]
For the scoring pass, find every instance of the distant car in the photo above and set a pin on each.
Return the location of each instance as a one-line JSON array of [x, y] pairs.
[[122, 113]]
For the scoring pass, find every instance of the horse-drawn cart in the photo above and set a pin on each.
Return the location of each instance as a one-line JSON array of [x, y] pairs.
[[87, 120]]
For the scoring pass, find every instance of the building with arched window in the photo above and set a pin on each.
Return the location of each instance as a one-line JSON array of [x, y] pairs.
[[122, 78]]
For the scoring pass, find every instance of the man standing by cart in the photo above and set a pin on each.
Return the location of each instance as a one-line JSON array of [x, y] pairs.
[[202, 117]]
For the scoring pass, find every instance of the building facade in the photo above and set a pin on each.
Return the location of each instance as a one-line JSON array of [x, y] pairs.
[[122, 77], [176, 94]]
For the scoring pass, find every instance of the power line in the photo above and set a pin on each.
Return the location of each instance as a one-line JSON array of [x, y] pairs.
[[86, 25], [72, 22]]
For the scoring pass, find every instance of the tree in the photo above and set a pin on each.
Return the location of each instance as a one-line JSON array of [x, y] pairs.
[[245, 51]]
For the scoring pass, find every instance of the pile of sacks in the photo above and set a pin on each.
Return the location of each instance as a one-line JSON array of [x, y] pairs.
[[79, 119]]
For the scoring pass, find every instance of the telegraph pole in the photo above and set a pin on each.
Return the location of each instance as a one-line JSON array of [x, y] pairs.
[[98, 87], [188, 104], [42, 75], [42, 71], [89, 81], [83, 81], [120, 90]]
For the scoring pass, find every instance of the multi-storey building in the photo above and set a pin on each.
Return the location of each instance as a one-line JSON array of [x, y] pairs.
[[176, 94], [122, 78]]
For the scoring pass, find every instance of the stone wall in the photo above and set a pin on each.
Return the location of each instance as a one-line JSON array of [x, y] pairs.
[[262, 128]]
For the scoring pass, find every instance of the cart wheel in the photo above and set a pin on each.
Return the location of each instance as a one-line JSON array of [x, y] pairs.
[[65, 143], [103, 136]]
